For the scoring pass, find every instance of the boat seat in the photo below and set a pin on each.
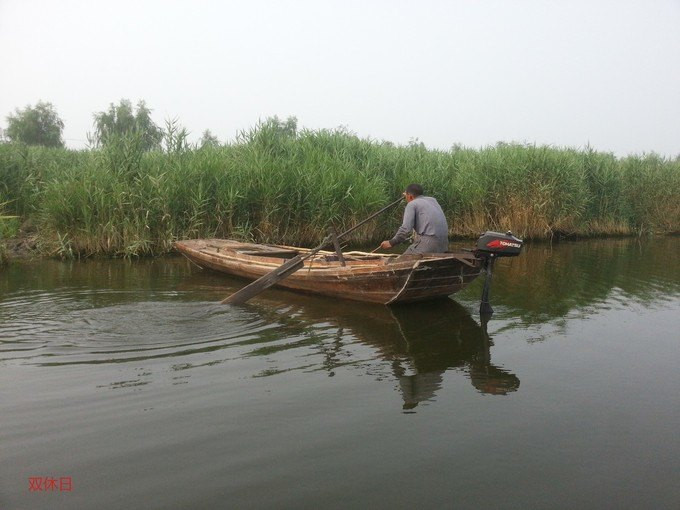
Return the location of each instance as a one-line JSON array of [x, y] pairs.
[[270, 253]]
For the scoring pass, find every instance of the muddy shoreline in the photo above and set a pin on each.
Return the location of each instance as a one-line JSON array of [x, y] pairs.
[[21, 248]]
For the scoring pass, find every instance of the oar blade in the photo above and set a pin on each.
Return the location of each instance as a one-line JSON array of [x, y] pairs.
[[264, 282]]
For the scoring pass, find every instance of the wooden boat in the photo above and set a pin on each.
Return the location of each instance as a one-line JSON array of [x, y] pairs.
[[376, 278]]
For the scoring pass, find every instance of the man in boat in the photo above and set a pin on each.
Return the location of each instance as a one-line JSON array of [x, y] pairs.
[[424, 216]]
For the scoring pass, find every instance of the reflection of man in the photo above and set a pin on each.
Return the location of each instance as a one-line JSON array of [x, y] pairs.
[[424, 216], [418, 387]]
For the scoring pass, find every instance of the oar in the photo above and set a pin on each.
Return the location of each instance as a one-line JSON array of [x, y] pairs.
[[284, 270]]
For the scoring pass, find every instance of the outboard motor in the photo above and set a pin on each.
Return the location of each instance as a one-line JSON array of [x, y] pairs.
[[491, 245], [498, 245]]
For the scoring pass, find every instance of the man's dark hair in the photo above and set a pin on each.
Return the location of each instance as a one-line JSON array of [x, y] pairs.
[[414, 189]]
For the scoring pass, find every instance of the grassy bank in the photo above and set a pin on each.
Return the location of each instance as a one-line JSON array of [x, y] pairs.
[[274, 185]]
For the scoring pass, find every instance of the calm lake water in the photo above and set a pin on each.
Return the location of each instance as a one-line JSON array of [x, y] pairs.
[[127, 383]]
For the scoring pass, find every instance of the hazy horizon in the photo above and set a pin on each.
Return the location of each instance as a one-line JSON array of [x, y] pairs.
[[471, 73]]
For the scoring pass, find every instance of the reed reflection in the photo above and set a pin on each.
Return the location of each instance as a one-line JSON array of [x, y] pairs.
[[549, 281]]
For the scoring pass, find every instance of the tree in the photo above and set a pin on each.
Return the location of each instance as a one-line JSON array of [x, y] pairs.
[[121, 120], [208, 140], [39, 125], [270, 131], [285, 128]]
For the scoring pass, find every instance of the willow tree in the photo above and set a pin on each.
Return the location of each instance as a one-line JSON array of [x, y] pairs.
[[39, 125], [208, 140], [122, 120]]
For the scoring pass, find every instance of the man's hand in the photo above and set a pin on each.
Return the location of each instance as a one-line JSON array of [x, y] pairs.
[[385, 245]]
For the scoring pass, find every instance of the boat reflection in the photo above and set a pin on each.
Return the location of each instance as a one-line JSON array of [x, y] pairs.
[[438, 337], [419, 341]]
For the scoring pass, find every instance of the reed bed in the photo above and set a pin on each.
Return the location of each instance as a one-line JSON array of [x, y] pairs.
[[273, 185]]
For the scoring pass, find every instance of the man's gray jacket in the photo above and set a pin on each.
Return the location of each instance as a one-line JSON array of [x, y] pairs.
[[425, 216]]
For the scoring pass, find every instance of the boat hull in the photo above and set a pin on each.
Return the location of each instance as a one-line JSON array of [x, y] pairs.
[[366, 277]]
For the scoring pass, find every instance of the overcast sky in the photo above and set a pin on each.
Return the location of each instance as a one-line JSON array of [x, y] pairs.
[[472, 72]]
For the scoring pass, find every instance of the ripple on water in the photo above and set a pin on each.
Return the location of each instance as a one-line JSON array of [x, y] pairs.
[[66, 327]]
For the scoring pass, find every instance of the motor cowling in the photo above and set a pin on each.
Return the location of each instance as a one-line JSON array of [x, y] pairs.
[[498, 244]]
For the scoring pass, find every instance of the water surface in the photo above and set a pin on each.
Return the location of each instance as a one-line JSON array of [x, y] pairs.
[[129, 379]]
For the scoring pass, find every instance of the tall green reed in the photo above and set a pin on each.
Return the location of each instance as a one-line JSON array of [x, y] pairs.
[[277, 184]]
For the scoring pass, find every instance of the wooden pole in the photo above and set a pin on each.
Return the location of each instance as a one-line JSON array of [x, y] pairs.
[[336, 244]]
